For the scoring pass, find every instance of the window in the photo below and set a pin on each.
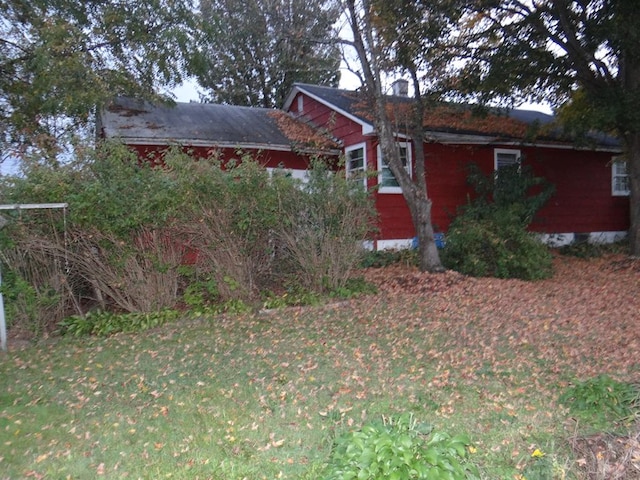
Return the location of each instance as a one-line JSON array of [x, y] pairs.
[[619, 177], [356, 163], [506, 172], [300, 103], [505, 158], [386, 181]]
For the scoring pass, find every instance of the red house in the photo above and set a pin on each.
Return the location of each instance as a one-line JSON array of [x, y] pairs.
[[590, 202]]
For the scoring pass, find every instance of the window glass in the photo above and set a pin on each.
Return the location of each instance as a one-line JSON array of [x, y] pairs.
[[619, 178], [506, 158], [386, 180], [356, 163]]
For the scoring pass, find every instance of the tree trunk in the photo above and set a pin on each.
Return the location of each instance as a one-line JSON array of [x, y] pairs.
[[632, 141], [414, 191], [427, 248], [429, 258]]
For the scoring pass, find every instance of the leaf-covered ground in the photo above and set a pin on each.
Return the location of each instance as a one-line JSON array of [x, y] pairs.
[[585, 319], [263, 396]]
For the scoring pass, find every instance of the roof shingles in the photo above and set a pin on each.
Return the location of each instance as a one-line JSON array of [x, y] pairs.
[[193, 124]]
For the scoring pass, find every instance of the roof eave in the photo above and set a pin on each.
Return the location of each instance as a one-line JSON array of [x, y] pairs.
[[470, 139], [186, 142]]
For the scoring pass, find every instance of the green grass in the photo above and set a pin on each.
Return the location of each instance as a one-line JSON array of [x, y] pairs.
[[264, 396]]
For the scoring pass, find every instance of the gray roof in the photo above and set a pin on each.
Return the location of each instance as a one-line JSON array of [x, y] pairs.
[[351, 103], [192, 124]]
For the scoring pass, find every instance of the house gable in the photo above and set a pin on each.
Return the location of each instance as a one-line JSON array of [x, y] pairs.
[[339, 101]]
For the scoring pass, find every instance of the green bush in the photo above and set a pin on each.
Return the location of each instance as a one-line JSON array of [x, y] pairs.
[[30, 307], [497, 246], [490, 238], [400, 449], [602, 399]]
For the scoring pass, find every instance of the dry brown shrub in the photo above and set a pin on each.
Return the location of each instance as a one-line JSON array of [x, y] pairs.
[[237, 262], [137, 276]]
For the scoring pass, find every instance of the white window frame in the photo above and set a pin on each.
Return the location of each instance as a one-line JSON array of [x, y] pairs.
[[382, 165], [616, 174], [517, 155], [300, 103], [350, 172]]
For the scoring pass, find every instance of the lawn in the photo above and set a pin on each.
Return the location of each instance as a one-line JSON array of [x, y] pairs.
[[264, 395]]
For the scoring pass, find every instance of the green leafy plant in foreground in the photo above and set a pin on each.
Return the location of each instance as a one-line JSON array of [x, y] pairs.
[[402, 449], [602, 398], [103, 323]]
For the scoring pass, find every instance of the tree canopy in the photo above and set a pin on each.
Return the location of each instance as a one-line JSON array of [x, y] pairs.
[[583, 56], [253, 51], [61, 58]]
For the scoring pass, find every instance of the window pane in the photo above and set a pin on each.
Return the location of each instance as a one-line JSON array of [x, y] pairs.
[[506, 159], [621, 184], [356, 159], [620, 178], [620, 168], [387, 178]]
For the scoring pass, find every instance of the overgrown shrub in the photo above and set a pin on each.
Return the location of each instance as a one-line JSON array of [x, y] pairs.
[[37, 304], [230, 215], [490, 238], [115, 245], [130, 229], [400, 448], [323, 229]]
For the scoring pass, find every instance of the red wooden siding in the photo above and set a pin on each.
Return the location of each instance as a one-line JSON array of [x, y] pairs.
[[583, 201], [267, 158], [339, 126]]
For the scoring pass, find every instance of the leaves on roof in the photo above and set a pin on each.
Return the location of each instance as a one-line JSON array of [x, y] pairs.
[[463, 119], [301, 134]]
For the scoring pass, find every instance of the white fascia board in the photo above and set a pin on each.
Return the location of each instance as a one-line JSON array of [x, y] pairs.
[[367, 128], [169, 142], [201, 143]]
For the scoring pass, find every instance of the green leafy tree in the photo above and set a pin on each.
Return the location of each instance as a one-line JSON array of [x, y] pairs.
[[253, 51], [61, 58], [406, 37], [581, 55]]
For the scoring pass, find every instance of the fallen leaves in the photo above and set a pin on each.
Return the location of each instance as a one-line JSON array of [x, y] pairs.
[[585, 317]]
